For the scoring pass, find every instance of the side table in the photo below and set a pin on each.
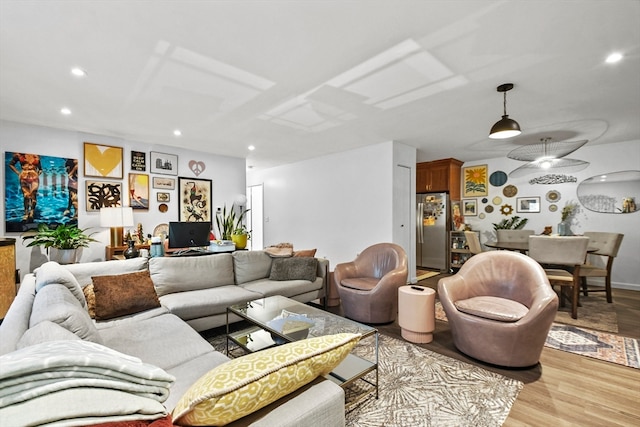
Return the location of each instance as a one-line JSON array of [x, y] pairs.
[[416, 313]]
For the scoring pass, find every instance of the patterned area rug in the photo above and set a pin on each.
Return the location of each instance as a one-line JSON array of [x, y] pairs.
[[418, 387], [594, 313], [586, 342]]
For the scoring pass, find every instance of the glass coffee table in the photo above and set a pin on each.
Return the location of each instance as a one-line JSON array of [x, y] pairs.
[[278, 320]]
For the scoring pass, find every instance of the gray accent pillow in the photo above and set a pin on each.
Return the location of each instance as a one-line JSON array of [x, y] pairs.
[[295, 268], [52, 272]]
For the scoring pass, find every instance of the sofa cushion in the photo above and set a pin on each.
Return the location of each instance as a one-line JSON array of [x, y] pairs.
[[305, 252], [56, 303], [179, 274], [248, 383], [296, 268], [123, 294], [52, 272], [251, 265], [494, 308], [84, 271], [285, 288], [206, 302], [45, 331]]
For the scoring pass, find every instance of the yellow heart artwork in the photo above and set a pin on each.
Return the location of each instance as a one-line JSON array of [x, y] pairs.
[[102, 160]]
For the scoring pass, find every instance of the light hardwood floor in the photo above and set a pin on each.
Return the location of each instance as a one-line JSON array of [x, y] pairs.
[[564, 389]]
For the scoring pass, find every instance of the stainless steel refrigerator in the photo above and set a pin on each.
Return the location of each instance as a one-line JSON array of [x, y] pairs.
[[432, 231]]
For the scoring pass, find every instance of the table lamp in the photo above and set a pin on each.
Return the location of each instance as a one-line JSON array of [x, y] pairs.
[[117, 219]]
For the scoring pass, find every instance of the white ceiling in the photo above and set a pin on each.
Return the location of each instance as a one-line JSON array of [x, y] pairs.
[[299, 79]]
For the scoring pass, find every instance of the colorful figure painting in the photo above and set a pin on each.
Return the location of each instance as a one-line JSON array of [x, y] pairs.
[[195, 199], [39, 189]]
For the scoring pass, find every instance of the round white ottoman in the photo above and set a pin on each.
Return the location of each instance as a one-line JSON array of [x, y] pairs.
[[416, 313]]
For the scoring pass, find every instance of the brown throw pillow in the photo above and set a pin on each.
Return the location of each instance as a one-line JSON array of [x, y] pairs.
[[305, 253], [301, 268], [90, 296], [123, 294]]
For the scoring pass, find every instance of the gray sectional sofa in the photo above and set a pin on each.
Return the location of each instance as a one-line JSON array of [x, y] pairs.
[[194, 293]]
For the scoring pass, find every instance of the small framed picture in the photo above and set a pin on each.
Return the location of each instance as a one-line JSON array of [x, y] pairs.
[[163, 163], [102, 161], [138, 161], [103, 194], [528, 204], [164, 183], [139, 191], [470, 207], [163, 197]]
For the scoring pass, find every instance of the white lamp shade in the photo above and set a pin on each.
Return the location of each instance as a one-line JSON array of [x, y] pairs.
[[116, 217]]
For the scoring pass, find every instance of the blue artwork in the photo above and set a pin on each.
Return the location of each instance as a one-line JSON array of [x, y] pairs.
[[39, 189]]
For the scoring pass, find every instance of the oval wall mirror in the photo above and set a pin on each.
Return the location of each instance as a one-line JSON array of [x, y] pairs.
[[615, 192]]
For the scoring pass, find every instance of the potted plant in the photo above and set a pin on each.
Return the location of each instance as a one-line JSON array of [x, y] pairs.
[[569, 210], [64, 241], [240, 236], [227, 222], [513, 223]]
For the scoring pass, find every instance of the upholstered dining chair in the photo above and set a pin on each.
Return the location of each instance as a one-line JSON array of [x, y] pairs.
[[600, 262], [473, 241], [514, 236], [500, 308], [561, 258], [368, 286]]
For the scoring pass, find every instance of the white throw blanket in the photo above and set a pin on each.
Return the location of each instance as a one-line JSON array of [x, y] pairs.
[[56, 368]]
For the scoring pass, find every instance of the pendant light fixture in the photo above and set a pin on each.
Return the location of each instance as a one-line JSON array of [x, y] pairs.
[[505, 127]]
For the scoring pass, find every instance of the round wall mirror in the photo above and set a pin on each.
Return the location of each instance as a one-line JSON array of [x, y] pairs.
[[615, 192]]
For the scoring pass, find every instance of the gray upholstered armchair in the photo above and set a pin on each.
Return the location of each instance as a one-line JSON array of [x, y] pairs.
[[368, 286], [500, 308]]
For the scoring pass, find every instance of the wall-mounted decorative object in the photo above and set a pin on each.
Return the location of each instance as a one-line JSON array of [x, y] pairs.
[[39, 189], [614, 192], [528, 204], [194, 203], [139, 191], [510, 190], [497, 200], [498, 178], [506, 209], [163, 163], [470, 207], [138, 161], [482, 215], [553, 196], [164, 183], [553, 208], [163, 207], [475, 181], [485, 200], [161, 230], [163, 197], [488, 208], [553, 179], [103, 161], [197, 167], [103, 194]]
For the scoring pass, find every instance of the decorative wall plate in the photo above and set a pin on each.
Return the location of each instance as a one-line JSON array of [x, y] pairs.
[[497, 200], [163, 207], [553, 208], [498, 178], [485, 200], [506, 209], [161, 230], [482, 215], [553, 196], [488, 209], [510, 190]]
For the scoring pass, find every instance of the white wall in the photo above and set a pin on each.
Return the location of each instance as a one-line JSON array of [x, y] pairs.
[[339, 204], [227, 173], [603, 159]]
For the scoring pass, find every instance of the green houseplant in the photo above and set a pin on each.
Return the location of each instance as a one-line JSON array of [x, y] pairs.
[[513, 223], [64, 239], [228, 222]]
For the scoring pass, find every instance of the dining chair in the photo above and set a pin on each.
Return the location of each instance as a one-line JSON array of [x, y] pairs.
[[600, 262], [514, 236], [473, 241], [561, 258]]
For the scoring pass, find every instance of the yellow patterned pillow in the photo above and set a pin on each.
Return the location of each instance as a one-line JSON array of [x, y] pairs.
[[243, 385]]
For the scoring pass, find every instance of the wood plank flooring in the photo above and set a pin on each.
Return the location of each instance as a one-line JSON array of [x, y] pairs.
[[564, 389]]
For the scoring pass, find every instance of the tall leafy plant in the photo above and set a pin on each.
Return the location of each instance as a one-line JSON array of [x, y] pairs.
[[513, 223], [228, 222]]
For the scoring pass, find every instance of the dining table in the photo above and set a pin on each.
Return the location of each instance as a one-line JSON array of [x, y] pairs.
[[520, 246]]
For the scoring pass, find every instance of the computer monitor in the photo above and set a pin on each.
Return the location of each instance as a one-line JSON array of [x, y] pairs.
[[188, 234]]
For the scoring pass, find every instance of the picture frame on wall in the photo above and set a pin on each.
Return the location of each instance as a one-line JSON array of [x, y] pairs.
[[102, 194], [475, 181], [163, 197], [470, 207], [103, 161], [162, 183], [139, 191], [528, 204], [194, 201], [138, 161], [163, 163]]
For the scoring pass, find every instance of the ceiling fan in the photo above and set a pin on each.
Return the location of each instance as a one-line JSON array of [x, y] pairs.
[[546, 155]]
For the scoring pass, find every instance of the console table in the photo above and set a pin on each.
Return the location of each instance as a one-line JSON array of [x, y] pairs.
[[116, 252]]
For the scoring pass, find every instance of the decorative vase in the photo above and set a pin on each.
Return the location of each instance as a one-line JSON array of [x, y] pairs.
[[131, 251], [63, 256], [564, 229], [240, 240]]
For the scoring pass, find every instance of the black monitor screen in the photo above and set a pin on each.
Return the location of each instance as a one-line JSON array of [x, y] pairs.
[[189, 234]]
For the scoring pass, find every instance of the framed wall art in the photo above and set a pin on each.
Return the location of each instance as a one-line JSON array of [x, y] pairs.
[[103, 194], [194, 203], [164, 183], [102, 161], [470, 207], [39, 190], [163, 163], [163, 197], [138, 161], [475, 181], [139, 191], [528, 204]]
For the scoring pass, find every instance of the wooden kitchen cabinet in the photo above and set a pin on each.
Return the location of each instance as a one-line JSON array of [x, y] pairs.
[[7, 274], [438, 176]]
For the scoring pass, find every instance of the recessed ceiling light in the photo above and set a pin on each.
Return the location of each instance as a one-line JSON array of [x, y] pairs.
[[251, 148], [78, 72], [65, 111], [613, 58], [177, 132]]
